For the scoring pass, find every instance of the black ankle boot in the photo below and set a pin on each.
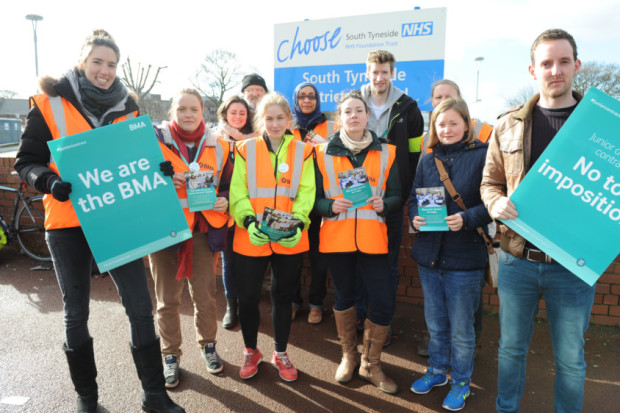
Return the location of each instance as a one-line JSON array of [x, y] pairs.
[[230, 318], [83, 373], [155, 399]]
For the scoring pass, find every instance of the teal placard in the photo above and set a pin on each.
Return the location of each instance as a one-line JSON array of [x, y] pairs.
[[569, 202], [126, 207]]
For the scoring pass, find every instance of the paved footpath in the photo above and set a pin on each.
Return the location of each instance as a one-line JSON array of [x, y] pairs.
[[34, 367]]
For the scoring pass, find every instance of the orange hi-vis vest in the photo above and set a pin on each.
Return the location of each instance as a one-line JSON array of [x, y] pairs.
[[213, 158], [324, 130], [482, 131], [62, 119], [264, 191], [361, 229]]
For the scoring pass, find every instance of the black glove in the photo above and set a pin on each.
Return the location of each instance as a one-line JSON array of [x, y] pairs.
[[166, 168], [60, 189]]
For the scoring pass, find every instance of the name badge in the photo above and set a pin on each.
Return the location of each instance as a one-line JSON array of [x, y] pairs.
[[283, 167], [194, 166]]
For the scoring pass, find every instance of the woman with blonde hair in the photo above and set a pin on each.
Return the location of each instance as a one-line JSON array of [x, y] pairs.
[[271, 171]]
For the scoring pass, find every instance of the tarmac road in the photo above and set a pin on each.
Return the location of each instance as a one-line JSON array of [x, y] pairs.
[[34, 367]]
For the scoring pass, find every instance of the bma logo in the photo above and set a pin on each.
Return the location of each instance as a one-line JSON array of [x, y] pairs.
[[417, 29]]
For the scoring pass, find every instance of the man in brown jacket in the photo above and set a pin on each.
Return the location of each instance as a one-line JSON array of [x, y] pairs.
[[525, 272]]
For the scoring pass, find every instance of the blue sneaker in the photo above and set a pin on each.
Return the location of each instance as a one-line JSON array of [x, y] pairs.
[[455, 400], [428, 381]]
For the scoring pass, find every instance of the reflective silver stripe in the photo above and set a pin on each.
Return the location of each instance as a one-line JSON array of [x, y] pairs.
[[58, 112], [357, 213], [211, 139], [250, 163], [298, 163], [284, 191], [184, 203], [264, 192], [334, 188], [130, 115], [219, 162], [385, 157], [259, 217], [477, 129]]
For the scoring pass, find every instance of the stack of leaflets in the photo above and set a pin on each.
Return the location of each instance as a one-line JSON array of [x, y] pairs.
[[200, 190], [355, 186], [432, 207], [278, 224], [314, 138]]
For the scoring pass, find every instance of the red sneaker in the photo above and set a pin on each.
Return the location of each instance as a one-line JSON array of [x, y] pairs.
[[284, 366], [250, 363]]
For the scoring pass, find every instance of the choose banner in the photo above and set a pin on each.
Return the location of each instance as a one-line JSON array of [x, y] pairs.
[[331, 53], [569, 202], [126, 207]]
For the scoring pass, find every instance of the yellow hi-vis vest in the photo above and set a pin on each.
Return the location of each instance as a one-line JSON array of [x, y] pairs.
[[264, 191]]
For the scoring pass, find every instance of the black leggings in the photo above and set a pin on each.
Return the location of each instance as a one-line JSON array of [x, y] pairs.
[[249, 274]]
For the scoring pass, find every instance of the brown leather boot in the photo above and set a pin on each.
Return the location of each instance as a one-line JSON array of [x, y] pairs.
[[345, 324], [370, 370]]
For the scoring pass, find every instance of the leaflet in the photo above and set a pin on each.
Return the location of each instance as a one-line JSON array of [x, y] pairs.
[[200, 190], [278, 224], [355, 186], [432, 207]]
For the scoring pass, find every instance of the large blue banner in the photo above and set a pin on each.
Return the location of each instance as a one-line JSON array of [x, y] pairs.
[[126, 207], [331, 53], [333, 81], [569, 202]]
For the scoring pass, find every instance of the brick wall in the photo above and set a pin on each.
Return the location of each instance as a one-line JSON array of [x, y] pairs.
[[606, 309]]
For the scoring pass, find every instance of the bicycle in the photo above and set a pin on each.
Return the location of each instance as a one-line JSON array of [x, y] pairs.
[[27, 223]]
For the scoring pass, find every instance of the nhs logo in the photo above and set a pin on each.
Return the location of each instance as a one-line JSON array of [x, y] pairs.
[[417, 29]]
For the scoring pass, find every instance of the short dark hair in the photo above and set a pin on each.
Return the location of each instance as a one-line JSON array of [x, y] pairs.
[[553, 34]]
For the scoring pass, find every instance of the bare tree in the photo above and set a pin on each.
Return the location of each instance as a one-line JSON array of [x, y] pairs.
[[7, 94], [140, 81], [219, 73], [521, 96], [603, 76]]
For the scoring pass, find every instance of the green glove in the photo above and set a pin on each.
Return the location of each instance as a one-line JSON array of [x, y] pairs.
[[290, 242], [257, 237]]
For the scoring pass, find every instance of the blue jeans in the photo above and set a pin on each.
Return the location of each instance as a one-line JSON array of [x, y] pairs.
[[346, 268], [450, 301], [394, 223], [568, 301], [228, 267], [73, 262]]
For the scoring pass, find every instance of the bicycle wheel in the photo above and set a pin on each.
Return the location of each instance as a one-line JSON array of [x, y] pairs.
[[30, 229]]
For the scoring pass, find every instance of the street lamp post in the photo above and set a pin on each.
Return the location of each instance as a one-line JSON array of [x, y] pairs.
[[35, 18], [478, 60]]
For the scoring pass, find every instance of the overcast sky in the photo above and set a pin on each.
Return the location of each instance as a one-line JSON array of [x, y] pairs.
[[179, 34]]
